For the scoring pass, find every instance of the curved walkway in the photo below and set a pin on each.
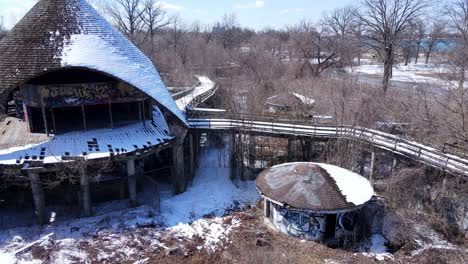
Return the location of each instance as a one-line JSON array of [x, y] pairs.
[[378, 139]]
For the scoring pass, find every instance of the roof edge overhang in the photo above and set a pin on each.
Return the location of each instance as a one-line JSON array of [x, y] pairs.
[[6, 92]]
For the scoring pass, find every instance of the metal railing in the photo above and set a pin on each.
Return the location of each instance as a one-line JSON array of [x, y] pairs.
[[385, 141]]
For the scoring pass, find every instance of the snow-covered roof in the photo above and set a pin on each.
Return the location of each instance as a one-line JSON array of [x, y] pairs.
[[96, 144], [57, 34], [315, 187]]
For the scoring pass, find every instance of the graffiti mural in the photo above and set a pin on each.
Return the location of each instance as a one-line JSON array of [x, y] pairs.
[[298, 224], [79, 94]]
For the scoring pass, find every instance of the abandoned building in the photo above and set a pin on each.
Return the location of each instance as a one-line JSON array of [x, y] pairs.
[[287, 102], [74, 90], [314, 201]]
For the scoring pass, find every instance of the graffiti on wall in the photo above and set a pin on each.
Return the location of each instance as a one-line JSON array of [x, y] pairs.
[[79, 94], [312, 226], [298, 224]]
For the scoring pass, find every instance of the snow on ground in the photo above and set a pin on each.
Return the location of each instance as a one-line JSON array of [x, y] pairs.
[[412, 73], [205, 86], [117, 234], [377, 249]]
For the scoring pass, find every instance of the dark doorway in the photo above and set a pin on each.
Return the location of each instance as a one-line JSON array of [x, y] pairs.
[[126, 113], [330, 226], [68, 119], [36, 120], [97, 116]]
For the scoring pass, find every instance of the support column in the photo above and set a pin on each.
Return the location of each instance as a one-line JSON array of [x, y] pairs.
[[252, 151], [178, 165], [233, 155], [290, 149], [44, 117], [192, 156], [394, 164], [372, 167], [362, 163], [86, 194], [38, 196], [131, 182], [266, 205]]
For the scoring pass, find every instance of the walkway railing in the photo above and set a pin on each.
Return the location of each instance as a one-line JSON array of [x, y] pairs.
[[385, 141]]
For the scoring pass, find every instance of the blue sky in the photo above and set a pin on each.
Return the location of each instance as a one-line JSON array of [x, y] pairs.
[[255, 14]]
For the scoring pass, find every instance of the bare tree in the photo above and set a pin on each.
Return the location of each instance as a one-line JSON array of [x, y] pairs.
[[437, 30], [342, 21], [317, 50], [127, 14], [154, 18], [458, 16], [420, 35], [384, 22]]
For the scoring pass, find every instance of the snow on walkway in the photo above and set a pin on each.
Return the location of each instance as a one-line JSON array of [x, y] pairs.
[[119, 235], [205, 86]]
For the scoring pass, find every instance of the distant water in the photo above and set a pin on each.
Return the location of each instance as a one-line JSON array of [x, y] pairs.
[[443, 45]]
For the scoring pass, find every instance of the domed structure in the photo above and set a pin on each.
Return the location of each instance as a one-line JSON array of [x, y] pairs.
[[63, 34], [75, 89], [313, 200]]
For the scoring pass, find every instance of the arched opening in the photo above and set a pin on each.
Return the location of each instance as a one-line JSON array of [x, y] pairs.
[[75, 99]]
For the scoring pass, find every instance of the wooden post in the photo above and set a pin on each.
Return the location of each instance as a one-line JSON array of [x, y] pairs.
[[144, 112], [110, 115], [179, 167], [53, 120], [38, 196], [84, 117], [252, 150], [131, 182], [233, 155], [266, 205], [139, 111], [372, 168], [191, 156], [44, 117], [394, 163], [290, 149], [362, 163], [86, 194]]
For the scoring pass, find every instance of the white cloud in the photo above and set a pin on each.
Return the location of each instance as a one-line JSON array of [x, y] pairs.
[[169, 6], [252, 5]]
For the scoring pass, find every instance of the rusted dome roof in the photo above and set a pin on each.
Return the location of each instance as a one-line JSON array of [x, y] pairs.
[[58, 34], [315, 187]]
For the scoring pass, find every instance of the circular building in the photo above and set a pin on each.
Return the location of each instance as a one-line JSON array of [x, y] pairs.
[[314, 201]]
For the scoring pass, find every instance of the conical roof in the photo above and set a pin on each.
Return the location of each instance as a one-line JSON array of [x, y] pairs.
[[57, 34], [315, 186]]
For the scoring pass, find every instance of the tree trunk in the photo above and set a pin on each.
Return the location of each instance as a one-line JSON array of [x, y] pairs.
[[131, 182], [417, 53], [38, 197], [388, 67], [86, 194]]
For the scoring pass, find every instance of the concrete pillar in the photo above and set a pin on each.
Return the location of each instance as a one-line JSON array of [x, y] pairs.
[[252, 150], [394, 164], [191, 156], [131, 182], [38, 197], [372, 167], [86, 194], [290, 150], [266, 205], [178, 165], [233, 155]]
